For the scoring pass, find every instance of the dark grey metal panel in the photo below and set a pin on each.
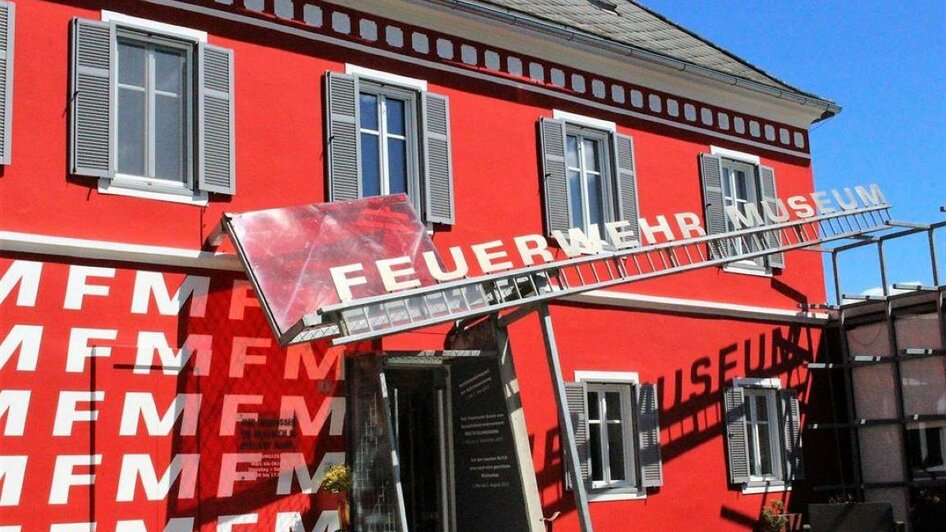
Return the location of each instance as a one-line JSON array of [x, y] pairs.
[[343, 144], [734, 405], [554, 179], [791, 415], [7, 18], [215, 120], [772, 240], [576, 394], [438, 167], [711, 173], [648, 427], [628, 208], [91, 111]]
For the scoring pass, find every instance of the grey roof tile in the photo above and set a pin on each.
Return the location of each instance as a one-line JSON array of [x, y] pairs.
[[632, 24]]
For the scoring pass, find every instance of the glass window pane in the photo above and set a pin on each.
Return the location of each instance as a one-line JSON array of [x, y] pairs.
[[594, 449], [934, 447], [612, 403], [761, 408], [169, 71], [397, 166], [595, 201], [753, 460], [131, 64], [765, 450], [590, 148], [571, 151], [395, 116], [369, 111], [169, 138], [741, 190], [131, 131], [727, 186], [370, 166], [574, 198], [593, 410], [616, 451]]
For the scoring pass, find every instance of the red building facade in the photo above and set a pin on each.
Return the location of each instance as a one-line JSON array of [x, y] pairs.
[[142, 388]]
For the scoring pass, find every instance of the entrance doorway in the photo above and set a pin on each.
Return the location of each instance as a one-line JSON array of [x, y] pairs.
[[420, 415]]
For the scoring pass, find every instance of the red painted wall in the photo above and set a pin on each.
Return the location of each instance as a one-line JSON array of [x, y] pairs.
[[280, 159]]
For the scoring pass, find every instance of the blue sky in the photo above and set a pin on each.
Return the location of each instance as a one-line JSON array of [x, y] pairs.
[[883, 62]]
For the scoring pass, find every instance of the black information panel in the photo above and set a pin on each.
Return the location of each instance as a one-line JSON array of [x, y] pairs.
[[488, 490]]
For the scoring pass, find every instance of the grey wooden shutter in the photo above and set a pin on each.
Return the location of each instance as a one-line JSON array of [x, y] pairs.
[[554, 179], [7, 17], [576, 396], [767, 186], [438, 167], [215, 124], [627, 205], [92, 109], [343, 143], [734, 404], [711, 173], [791, 416], [648, 428]]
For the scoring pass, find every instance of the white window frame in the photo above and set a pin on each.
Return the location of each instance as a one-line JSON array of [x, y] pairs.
[[771, 483], [151, 32], [387, 85], [627, 383], [746, 267], [601, 131]]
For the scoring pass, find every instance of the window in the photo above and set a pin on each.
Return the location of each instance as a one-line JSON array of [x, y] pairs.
[[388, 142], [588, 174], [617, 434], [926, 447], [738, 180], [762, 434], [154, 118], [152, 109], [387, 134], [588, 178]]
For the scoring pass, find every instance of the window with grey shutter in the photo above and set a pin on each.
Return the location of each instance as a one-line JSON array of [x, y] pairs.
[[627, 204], [91, 111], [734, 405], [576, 394], [648, 428], [438, 168], [215, 135], [344, 154], [713, 205], [769, 197], [7, 17], [554, 180], [791, 415]]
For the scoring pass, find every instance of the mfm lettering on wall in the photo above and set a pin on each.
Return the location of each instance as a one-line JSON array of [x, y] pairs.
[[398, 273], [137, 400]]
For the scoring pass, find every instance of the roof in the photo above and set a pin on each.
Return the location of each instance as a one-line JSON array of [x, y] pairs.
[[626, 22]]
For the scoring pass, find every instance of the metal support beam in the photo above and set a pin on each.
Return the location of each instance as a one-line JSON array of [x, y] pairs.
[[569, 446]]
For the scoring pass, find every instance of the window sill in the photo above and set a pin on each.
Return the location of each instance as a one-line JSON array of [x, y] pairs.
[[757, 489], [617, 495], [136, 190], [746, 269]]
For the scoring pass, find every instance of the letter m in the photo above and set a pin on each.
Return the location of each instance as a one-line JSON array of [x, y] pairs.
[[140, 405], [27, 338], [148, 284], [293, 465], [151, 342], [139, 466]]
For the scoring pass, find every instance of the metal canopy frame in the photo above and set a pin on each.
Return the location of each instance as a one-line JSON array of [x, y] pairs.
[[524, 290], [852, 310]]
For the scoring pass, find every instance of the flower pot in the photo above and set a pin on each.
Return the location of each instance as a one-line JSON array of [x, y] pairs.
[[344, 515]]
